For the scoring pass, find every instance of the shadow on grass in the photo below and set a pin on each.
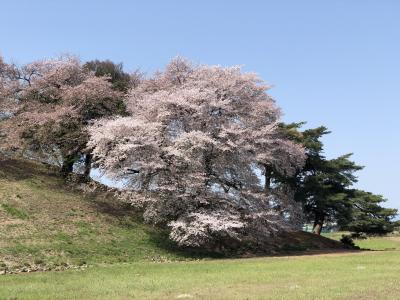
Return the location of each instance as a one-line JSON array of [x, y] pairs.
[[160, 239], [24, 169]]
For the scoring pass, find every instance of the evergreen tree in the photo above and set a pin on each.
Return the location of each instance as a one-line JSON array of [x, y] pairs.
[[121, 81], [322, 185], [367, 214]]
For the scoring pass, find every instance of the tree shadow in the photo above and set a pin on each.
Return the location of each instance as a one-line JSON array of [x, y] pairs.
[[160, 239], [21, 169]]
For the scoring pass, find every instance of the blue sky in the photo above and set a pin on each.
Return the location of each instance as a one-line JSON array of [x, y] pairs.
[[332, 63]]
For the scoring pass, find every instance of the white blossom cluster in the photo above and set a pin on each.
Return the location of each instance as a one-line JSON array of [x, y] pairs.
[[193, 148]]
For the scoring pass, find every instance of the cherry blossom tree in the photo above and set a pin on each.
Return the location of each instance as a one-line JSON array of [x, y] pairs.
[[51, 103], [193, 152]]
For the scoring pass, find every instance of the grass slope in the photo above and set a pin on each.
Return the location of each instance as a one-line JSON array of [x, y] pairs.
[[42, 222]]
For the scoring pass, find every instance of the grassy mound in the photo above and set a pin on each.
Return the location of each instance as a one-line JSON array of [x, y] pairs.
[[46, 225]]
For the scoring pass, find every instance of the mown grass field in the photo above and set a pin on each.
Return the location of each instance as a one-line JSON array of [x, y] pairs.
[[42, 223], [366, 275], [390, 242]]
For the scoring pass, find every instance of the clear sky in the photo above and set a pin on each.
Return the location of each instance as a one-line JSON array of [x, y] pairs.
[[333, 63]]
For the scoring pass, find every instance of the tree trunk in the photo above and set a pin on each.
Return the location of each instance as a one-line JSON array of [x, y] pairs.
[[318, 224], [88, 166], [67, 166], [267, 178]]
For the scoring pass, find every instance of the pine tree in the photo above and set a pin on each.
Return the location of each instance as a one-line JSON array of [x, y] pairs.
[[368, 215], [322, 185]]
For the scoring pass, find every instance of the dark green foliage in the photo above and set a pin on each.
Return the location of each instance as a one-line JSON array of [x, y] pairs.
[[367, 214], [121, 81], [323, 186], [396, 225], [105, 108], [348, 241]]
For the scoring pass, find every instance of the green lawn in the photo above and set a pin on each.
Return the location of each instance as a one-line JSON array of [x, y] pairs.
[[366, 275], [389, 242]]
